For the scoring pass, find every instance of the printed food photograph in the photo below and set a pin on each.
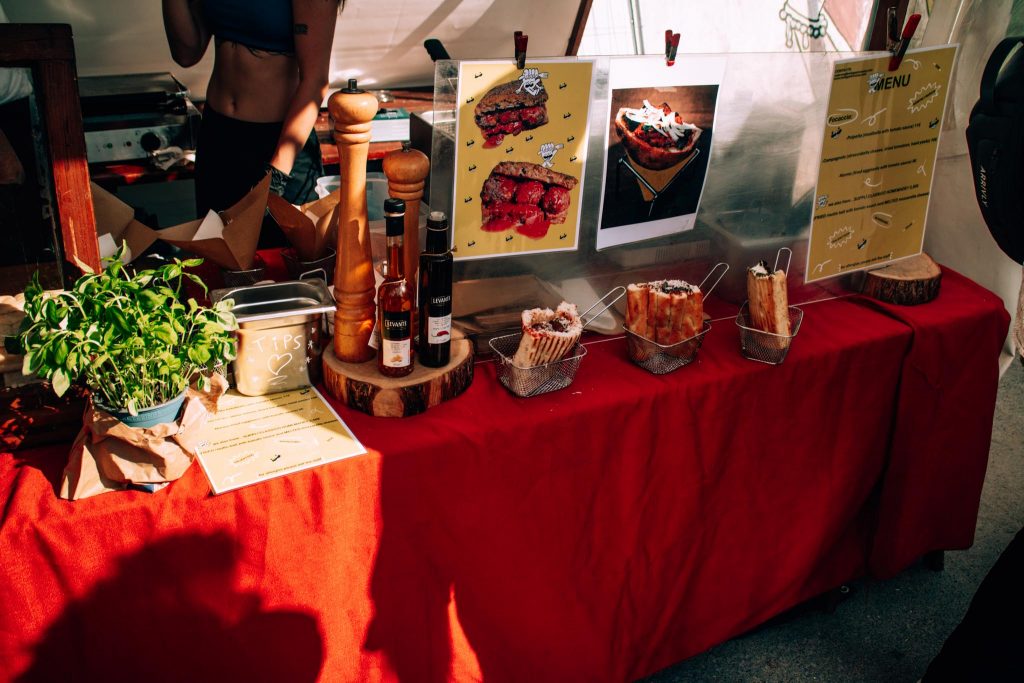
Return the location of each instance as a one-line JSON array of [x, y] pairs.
[[658, 147], [520, 151], [525, 197], [509, 109]]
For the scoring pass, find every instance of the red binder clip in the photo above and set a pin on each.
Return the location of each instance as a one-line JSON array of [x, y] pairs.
[[671, 46], [520, 40], [900, 48]]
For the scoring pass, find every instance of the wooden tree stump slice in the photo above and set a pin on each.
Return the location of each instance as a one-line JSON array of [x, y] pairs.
[[908, 282], [360, 386]]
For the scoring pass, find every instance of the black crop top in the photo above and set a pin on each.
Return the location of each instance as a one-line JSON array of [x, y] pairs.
[[258, 24]]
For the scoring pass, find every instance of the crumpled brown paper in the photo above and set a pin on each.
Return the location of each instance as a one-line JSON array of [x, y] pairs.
[[109, 456], [228, 238], [309, 228]]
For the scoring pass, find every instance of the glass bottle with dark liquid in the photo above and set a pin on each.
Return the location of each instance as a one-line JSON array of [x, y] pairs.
[[435, 294], [394, 303]]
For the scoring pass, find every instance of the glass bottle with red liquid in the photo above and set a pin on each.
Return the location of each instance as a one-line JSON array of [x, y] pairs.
[[394, 303]]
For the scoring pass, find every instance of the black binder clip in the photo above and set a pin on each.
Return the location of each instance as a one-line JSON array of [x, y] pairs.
[[520, 40], [671, 46], [435, 49], [899, 42]]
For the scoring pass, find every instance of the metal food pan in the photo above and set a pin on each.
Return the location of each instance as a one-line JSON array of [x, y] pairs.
[[280, 335]]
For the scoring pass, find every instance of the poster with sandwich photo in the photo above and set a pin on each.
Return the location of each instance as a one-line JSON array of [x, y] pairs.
[[661, 122], [521, 143]]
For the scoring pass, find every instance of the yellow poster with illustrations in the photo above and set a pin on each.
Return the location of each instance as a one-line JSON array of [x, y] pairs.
[[520, 151], [256, 438], [877, 161]]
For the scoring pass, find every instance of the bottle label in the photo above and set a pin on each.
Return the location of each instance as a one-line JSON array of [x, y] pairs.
[[396, 353], [396, 340], [439, 330]]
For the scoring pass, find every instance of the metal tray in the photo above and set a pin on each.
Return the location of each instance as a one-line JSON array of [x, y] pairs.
[[275, 300], [280, 334]]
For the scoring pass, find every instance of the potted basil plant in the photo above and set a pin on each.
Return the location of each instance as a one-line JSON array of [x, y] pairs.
[[128, 338]]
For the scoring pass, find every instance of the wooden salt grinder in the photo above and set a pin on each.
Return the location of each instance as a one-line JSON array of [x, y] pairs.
[[352, 110], [407, 171]]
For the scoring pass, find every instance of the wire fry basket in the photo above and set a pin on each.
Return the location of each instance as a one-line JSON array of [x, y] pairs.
[[660, 359], [766, 347], [527, 382], [540, 379]]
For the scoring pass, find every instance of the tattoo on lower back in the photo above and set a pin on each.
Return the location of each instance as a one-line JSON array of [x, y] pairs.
[[301, 29]]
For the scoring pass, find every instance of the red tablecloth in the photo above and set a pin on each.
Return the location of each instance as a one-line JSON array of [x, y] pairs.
[[597, 533]]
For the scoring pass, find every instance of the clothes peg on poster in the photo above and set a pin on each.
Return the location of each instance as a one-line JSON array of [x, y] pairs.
[[671, 46], [520, 40], [892, 34], [435, 49], [900, 49]]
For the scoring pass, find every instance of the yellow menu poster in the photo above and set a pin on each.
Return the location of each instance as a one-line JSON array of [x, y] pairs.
[[255, 438], [520, 150], [877, 161]]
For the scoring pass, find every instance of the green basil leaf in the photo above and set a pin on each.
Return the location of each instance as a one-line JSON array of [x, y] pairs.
[[60, 381], [30, 363], [60, 354]]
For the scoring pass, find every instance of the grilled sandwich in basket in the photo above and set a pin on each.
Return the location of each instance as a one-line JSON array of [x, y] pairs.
[[768, 304], [664, 311], [548, 335]]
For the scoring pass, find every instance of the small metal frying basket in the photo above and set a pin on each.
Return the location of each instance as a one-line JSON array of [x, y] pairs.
[[541, 379], [661, 359], [768, 347]]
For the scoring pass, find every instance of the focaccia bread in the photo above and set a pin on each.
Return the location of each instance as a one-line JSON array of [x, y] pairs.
[[548, 335], [526, 197], [768, 303], [508, 109], [655, 137], [664, 311]]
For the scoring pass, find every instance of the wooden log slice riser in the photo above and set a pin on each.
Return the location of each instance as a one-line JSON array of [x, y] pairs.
[[910, 282], [361, 387]]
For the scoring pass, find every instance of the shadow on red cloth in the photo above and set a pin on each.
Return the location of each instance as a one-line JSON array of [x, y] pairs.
[[174, 612]]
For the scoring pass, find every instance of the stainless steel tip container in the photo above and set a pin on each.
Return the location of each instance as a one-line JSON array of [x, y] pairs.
[[280, 335]]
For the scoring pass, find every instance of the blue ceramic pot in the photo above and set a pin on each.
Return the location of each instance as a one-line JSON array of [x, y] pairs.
[[150, 417]]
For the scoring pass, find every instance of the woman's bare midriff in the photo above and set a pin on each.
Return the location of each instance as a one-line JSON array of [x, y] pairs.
[[252, 85]]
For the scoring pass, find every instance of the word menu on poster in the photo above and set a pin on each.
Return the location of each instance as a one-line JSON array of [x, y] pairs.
[[878, 160]]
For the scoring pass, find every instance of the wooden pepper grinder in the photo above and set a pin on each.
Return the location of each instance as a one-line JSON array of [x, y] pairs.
[[407, 170], [352, 110]]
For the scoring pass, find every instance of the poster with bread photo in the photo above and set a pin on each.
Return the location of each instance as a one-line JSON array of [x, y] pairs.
[[521, 144], [661, 122]]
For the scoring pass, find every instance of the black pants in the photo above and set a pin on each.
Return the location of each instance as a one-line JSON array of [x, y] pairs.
[[232, 156], [987, 644]]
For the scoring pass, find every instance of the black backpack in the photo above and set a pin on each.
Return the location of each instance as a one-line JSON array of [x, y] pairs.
[[995, 139]]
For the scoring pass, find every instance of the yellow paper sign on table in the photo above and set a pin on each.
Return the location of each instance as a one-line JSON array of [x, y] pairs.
[[877, 161], [255, 438]]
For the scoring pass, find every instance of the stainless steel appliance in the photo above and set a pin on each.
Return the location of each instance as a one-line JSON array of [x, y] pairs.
[[134, 116]]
